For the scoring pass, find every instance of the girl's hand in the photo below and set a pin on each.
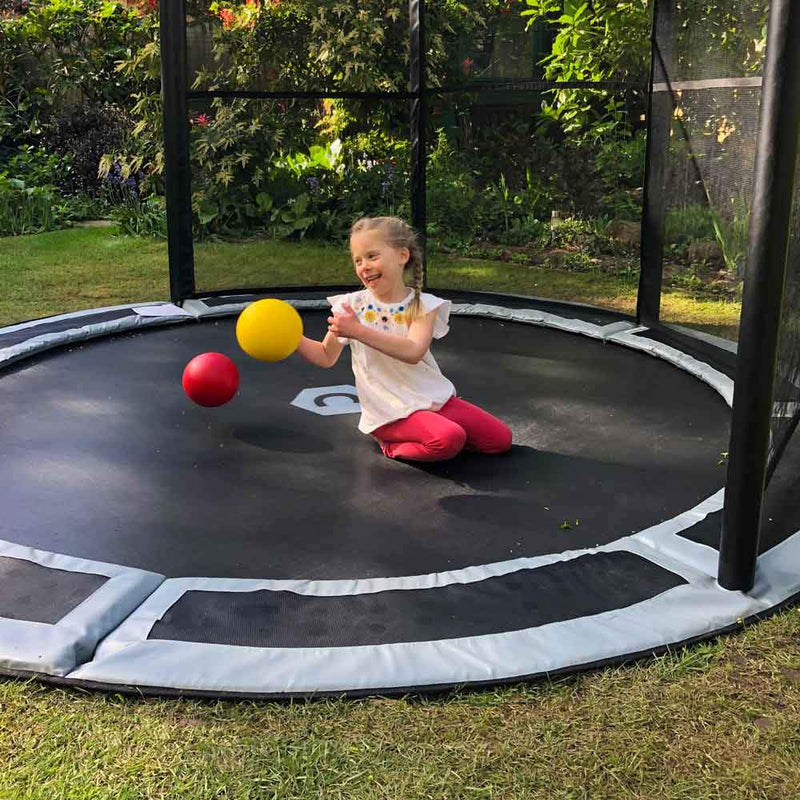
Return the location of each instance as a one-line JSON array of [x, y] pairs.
[[345, 323]]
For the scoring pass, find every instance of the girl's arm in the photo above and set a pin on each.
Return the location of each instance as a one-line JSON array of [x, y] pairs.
[[409, 349], [325, 353]]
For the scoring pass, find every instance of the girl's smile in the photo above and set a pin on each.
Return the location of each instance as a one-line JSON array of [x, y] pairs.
[[379, 266]]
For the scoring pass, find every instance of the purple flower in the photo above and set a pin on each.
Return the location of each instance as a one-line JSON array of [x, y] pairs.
[[313, 184]]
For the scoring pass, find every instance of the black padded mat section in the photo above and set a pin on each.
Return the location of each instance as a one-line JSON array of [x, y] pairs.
[[528, 598], [781, 511], [34, 593], [706, 531], [101, 438], [780, 516], [22, 335]]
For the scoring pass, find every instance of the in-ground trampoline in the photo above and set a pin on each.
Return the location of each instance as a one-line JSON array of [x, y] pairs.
[[268, 549]]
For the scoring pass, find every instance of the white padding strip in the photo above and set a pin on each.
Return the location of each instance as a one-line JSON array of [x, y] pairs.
[[714, 378], [58, 649], [200, 310], [711, 83], [665, 540], [76, 315], [529, 316], [47, 341], [717, 341]]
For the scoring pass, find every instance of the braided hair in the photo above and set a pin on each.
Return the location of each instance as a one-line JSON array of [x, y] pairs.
[[399, 234]]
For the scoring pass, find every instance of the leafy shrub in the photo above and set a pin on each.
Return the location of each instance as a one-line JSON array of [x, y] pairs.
[[451, 192], [599, 41], [620, 164], [14, 6], [80, 207], [36, 166], [511, 216], [25, 209], [525, 231], [147, 218], [84, 134], [689, 224], [73, 46], [585, 234], [620, 161]]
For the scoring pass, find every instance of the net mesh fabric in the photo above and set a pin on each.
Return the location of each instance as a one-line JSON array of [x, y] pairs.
[[786, 408], [710, 66]]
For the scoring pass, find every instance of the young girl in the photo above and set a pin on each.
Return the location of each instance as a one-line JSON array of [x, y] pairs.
[[407, 405]]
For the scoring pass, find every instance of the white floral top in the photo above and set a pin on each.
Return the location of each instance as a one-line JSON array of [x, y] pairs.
[[390, 389]]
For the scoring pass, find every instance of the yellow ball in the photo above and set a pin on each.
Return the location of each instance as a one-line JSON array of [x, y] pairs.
[[269, 330]]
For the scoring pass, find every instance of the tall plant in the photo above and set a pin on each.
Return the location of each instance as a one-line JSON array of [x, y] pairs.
[[603, 40]]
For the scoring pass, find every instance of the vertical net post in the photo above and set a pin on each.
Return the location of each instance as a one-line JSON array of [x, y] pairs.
[[177, 169], [419, 153], [776, 159], [654, 199]]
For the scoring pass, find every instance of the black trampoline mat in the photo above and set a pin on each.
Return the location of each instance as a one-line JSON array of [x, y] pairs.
[[780, 513], [106, 459], [34, 593], [583, 586]]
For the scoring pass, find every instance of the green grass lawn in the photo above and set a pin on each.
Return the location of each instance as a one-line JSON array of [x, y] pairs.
[[719, 720], [87, 267]]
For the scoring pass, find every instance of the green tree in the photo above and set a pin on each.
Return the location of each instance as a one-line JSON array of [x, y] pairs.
[[599, 41]]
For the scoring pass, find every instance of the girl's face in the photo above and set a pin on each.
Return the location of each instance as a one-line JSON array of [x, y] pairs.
[[378, 265]]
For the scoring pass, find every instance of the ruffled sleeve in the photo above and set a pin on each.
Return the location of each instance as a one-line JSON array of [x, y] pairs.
[[441, 323], [337, 301]]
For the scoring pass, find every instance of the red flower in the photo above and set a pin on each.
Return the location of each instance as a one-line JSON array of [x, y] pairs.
[[203, 120], [466, 65], [227, 16]]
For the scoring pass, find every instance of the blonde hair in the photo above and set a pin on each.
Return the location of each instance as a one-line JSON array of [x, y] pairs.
[[399, 234]]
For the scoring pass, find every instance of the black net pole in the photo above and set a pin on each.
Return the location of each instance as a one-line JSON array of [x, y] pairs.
[[654, 199], [776, 158], [177, 169], [419, 151]]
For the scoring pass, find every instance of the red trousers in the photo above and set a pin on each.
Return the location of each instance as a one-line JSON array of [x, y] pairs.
[[443, 434]]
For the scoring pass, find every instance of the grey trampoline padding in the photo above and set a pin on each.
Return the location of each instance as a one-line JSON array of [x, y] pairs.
[[689, 610], [17, 334], [78, 603], [35, 593], [579, 587]]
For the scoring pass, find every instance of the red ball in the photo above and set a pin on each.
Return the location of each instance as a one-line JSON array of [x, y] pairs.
[[210, 379]]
